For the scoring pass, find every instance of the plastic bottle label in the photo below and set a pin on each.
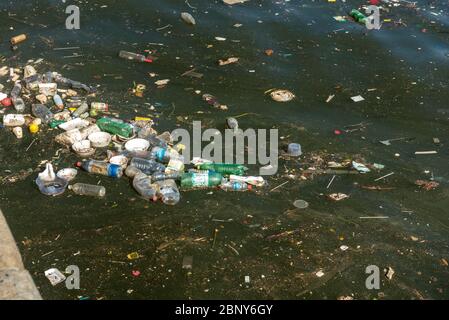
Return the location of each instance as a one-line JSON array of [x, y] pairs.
[[160, 154], [200, 180], [99, 106], [99, 169], [237, 186]]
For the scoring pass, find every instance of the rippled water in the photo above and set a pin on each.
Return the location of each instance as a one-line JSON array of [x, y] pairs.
[[408, 66]]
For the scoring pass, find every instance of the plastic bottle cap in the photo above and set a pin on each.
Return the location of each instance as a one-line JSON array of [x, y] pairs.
[[250, 187], [78, 164], [294, 149], [34, 128], [7, 102]]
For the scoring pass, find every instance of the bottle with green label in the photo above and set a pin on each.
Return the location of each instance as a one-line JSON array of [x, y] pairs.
[[115, 126], [191, 180], [224, 168], [54, 123], [358, 16]]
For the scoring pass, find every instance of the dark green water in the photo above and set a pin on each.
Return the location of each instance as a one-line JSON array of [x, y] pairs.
[[313, 54]]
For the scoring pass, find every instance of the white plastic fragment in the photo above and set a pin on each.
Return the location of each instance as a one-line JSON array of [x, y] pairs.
[[357, 98], [55, 276]]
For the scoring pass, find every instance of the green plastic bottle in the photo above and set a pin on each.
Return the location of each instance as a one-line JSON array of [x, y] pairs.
[[224, 168], [191, 180], [115, 126], [358, 16]]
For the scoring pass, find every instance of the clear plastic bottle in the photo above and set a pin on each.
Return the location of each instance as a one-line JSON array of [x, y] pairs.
[[155, 141], [147, 166], [42, 112], [74, 104], [134, 56], [255, 181], [175, 165], [235, 186], [58, 101], [100, 167], [49, 76], [159, 176], [18, 103], [33, 81], [168, 192], [84, 107], [132, 171], [164, 154], [99, 106], [144, 186], [88, 189], [143, 154], [16, 90], [145, 132]]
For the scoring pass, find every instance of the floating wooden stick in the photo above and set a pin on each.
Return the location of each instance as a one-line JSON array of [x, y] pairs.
[[383, 177], [330, 182], [279, 186], [374, 217], [425, 152]]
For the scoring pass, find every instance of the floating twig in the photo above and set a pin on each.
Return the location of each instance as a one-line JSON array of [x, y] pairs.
[[66, 48], [190, 6], [374, 217], [162, 28], [330, 182], [215, 237], [425, 152], [46, 254], [383, 177], [30, 145], [233, 249], [279, 186]]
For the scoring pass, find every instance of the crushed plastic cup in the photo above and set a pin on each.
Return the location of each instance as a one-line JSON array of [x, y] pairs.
[[18, 132], [133, 256], [68, 174], [74, 124], [13, 120], [100, 139], [294, 149], [83, 148], [54, 276], [48, 89], [119, 160], [131, 171], [301, 204], [137, 145], [68, 138], [282, 95]]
